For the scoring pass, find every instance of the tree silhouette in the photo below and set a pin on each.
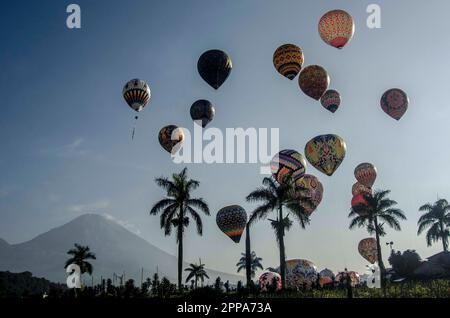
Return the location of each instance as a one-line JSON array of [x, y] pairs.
[[196, 271], [437, 219], [79, 256]]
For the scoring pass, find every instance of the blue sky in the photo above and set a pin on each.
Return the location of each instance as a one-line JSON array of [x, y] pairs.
[[65, 129]]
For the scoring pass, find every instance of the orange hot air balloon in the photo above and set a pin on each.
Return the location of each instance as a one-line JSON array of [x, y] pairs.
[[359, 188], [314, 81], [368, 249], [288, 60], [336, 28], [366, 173]]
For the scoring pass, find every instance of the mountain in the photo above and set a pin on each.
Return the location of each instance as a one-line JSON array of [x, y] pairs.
[[117, 250]]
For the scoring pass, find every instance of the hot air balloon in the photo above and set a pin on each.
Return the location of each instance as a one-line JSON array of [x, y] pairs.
[[336, 28], [137, 95], [368, 249], [300, 272], [288, 162], [202, 110], [359, 188], [267, 279], [366, 173], [325, 153], [359, 203], [331, 100], [327, 273], [394, 102], [232, 221], [171, 138], [308, 187], [314, 81], [288, 60], [354, 277], [214, 66]]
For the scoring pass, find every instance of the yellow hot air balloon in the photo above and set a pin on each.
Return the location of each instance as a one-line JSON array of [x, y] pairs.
[[288, 60], [326, 153], [336, 28]]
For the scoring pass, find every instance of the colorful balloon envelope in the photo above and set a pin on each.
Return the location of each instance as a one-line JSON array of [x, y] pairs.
[[267, 279], [288, 60], [232, 221], [359, 204], [359, 188], [366, 173], [137, 94], [331, 100], [336, 28], [326, 153], [171, 138], [314, 81], [300, 272], [202, 110], [368, 249], [394, 102], [308, 187], [214, 66], [288, 163], [327, 273]]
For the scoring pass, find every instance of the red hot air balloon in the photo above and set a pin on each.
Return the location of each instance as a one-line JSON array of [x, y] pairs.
[[366, 173], [314, 81], [368, 249], [336, 28], [359, 203], [394, 102]]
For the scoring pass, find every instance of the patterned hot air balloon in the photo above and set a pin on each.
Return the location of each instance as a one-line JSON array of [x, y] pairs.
[[366, 173], [232, 221], [368, 249], [325, 153], [394, 102], [359, 188], [266, 280], [300, 272], [137, 94], [359, 203], [288, 60], [308, 187], [331, 100], [314, 81], [171, 138], [288, 162], [214, 66], [336, 28], [327, 273], [354, 277], [202, 110]]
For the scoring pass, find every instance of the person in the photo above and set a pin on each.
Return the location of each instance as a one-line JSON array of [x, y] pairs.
[[348, 284]]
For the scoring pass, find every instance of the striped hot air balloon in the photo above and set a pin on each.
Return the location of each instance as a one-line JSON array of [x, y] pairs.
[[288, 163], [288, 60], [137, 94], [331, 100]]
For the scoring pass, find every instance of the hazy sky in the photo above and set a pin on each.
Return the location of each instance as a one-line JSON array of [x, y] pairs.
[[65, 129]]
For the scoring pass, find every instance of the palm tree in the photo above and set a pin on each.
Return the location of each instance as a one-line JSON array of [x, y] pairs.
[[379, 208], [275, 197], [437, 220], [197, 272], [177, 207], [255, 263], [79, 255]]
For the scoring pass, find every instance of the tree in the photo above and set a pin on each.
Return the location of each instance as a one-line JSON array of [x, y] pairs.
[[79, 256], [275, 197], [177, 207], [437, 219], [196, 271], [155, 284], [379, 208], [255, 263], [404, 264]]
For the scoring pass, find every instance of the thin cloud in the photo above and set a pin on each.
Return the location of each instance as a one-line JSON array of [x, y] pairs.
[[90, 207], [129, 226]]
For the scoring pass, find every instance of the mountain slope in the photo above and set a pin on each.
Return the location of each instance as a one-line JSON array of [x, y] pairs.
[[117, 250]]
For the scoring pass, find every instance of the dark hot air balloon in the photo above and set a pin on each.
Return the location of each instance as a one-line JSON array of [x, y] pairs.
[[314, 81], [394, 102], [331, 100], [214, 66], [202, 110], [171, 138], [232, 221]]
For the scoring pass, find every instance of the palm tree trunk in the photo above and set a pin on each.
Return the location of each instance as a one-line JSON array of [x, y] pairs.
[[180, 249], [444, 237], [380, 259], [282, 249], [248, 268]]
